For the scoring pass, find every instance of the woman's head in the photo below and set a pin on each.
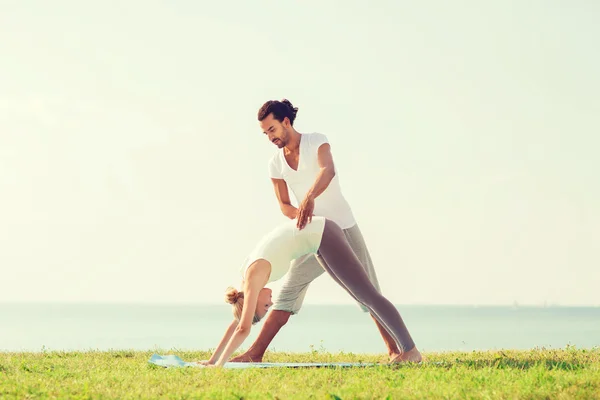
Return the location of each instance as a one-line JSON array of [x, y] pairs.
[[236, 299]]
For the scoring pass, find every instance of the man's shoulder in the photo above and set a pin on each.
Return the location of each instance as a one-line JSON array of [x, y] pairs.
[[275, 157], [316, 139], [275, 165], [315, 135]]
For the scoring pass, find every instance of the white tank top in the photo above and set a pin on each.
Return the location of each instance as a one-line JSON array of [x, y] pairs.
[[284, 244]]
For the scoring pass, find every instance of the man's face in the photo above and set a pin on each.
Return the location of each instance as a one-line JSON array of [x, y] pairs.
[[276, 131]]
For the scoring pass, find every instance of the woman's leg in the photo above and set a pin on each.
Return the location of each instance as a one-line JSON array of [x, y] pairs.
[[389, 340], [343, 265], [335, 278]]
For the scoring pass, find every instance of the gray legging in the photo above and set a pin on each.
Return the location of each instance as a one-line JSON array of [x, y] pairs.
[[339, 260]]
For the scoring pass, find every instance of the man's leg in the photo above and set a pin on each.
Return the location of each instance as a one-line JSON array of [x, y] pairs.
[[357, 242], [302, 272], [274, 322]]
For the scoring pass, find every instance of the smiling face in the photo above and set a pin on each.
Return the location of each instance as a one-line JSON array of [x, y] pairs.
[[264, 302], [277, 132]]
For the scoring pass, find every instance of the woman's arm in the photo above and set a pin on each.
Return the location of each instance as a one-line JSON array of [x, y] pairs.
[[223, 342], [242, 331], [256, 278]]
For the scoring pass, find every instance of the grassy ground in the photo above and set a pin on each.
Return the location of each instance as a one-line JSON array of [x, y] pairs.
[[536, 374]]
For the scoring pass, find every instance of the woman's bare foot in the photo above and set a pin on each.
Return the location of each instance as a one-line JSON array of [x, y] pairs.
[[413, 355]]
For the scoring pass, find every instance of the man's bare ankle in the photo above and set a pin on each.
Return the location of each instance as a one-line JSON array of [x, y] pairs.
[[247, 357], [412, 355], [257, 358]]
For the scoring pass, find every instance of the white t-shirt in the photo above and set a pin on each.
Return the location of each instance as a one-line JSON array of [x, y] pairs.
[[331, 203], [284, 244]]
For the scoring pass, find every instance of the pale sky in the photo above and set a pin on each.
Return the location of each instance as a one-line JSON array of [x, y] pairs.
[[466, 136]]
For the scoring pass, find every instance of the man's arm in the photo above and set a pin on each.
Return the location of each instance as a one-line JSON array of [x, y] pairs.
[[326, 173], [324, 177], [283, 196]]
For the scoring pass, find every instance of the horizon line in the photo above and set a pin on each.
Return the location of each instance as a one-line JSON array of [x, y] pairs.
[[351, 304]]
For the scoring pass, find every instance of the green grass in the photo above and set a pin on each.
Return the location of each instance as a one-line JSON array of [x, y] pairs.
[[537, 374]]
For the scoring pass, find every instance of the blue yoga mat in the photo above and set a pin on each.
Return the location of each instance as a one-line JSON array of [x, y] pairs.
[[175, 361]]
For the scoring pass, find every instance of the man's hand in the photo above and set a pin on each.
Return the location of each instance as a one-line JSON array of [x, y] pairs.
[[324, 177], [305, 212]]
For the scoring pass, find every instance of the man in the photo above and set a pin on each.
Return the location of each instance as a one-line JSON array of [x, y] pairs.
[[304, 164]]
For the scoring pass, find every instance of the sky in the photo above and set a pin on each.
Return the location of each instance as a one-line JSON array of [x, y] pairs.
[[466, 137]]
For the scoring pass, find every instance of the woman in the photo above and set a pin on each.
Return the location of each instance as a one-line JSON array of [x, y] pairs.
[[270, 260]]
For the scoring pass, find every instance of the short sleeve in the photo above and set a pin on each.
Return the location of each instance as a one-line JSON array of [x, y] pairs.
[[316, 140], [275, 168]]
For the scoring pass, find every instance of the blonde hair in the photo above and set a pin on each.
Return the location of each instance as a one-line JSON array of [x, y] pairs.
[[236, 299]]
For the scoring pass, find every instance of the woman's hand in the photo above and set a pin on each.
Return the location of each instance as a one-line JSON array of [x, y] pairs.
[[207, 364]]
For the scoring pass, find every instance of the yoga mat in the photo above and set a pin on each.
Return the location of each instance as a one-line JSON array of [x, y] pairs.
[[175, 361]]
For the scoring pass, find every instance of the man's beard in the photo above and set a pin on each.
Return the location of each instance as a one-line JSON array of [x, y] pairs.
[[282, 141]]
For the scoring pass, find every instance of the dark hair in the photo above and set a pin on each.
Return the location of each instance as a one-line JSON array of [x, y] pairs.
[[280, 110]]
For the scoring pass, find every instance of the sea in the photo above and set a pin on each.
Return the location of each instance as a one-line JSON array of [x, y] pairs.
[[328, 328]]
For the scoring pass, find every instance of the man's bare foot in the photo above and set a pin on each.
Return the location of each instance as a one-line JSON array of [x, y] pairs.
[[412, 355], [246, 358], [394, 355]]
